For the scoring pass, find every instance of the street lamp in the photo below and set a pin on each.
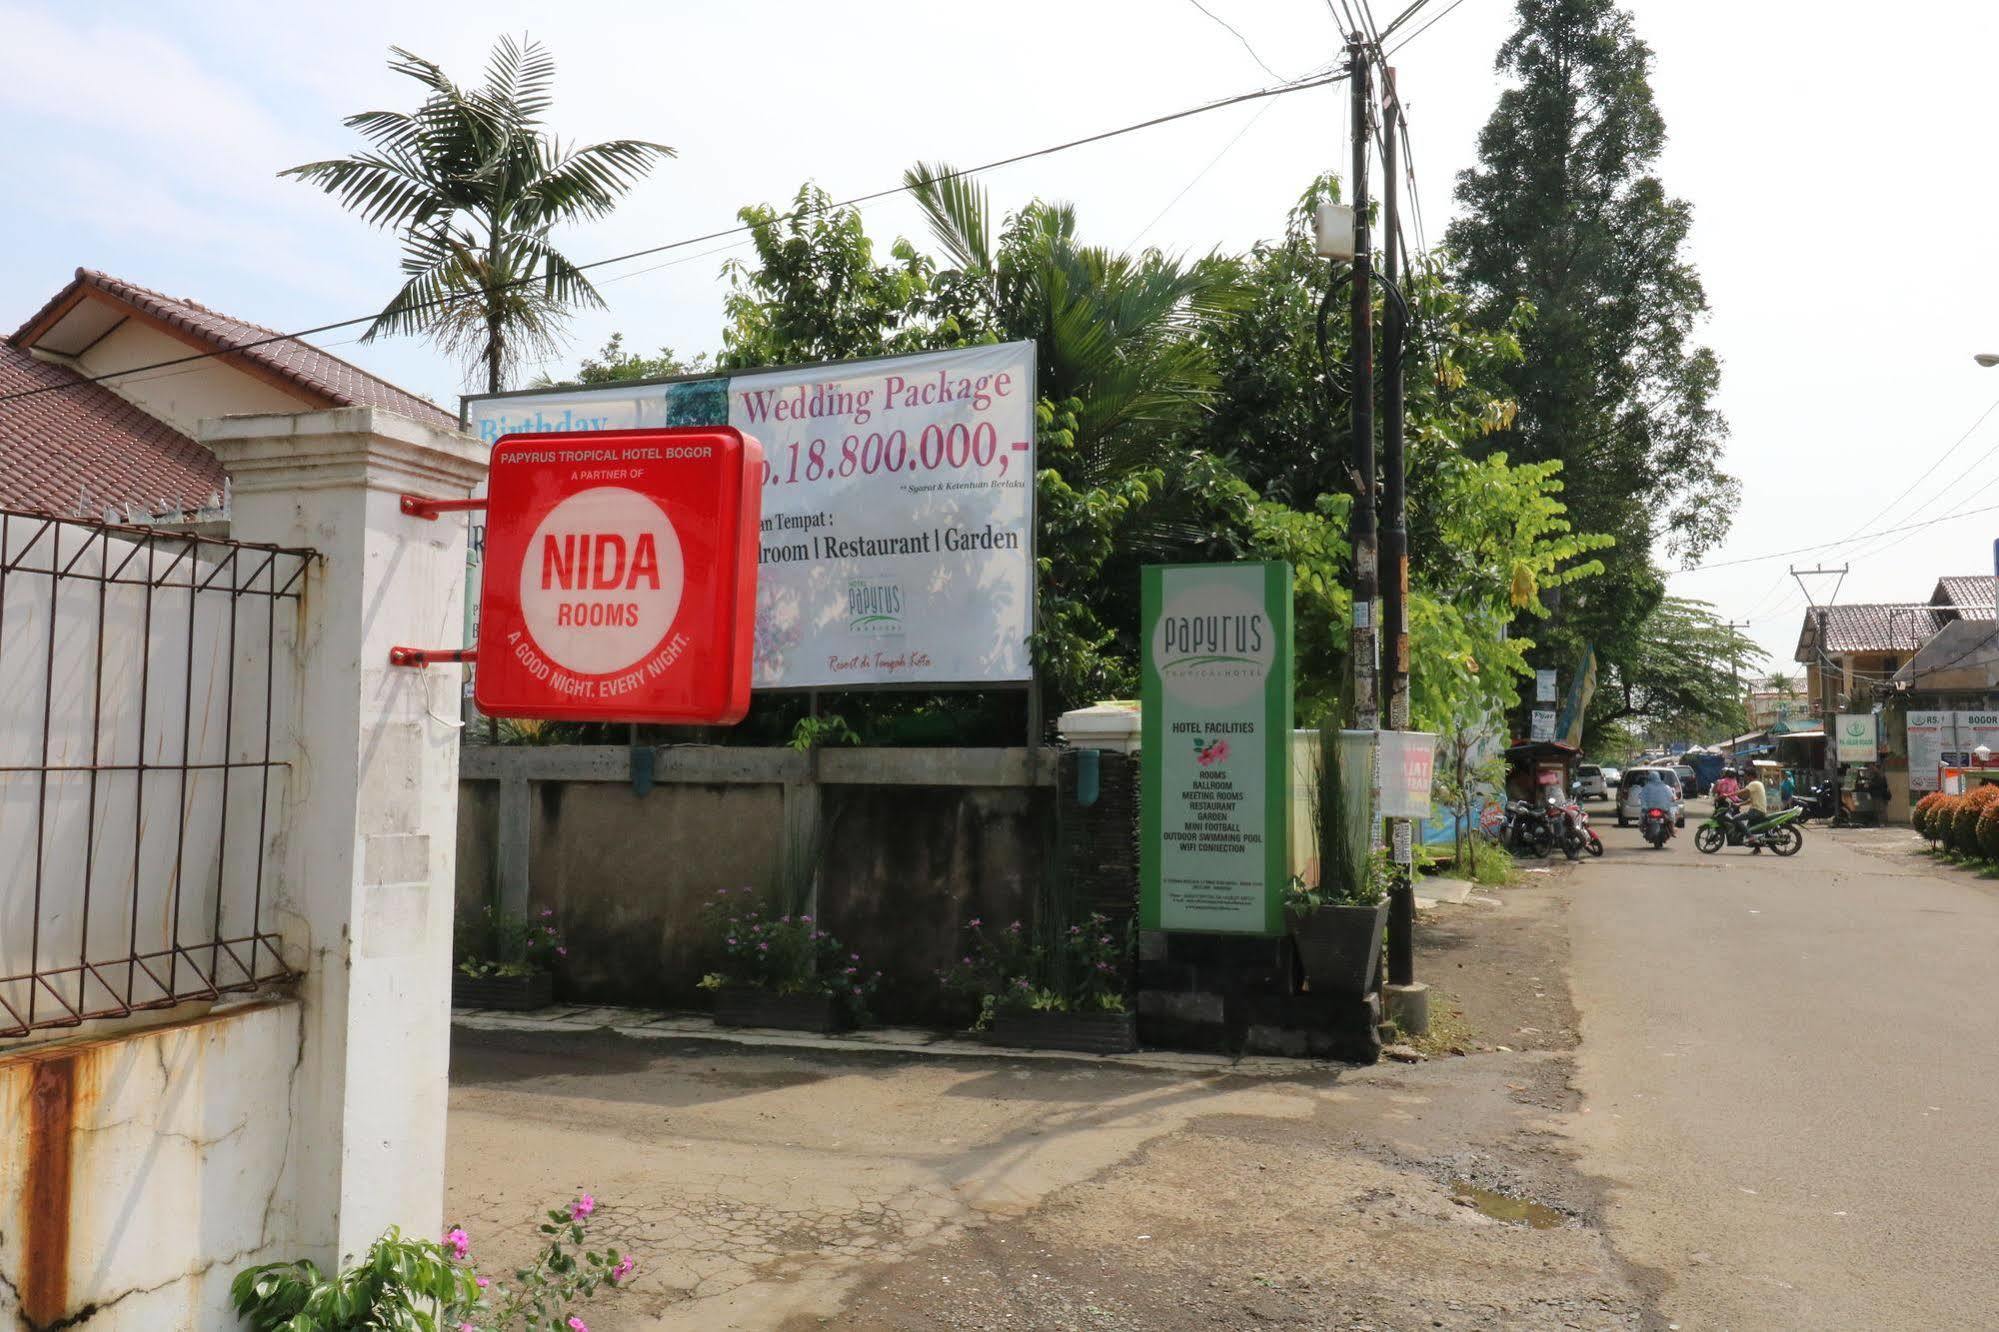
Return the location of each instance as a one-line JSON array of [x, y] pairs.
[[1987, 359]]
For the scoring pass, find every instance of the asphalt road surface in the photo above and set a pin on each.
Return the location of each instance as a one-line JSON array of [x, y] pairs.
[[1790, 1072]]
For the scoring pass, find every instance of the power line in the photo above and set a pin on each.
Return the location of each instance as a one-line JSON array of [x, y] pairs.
[[1297, 85], [1832, 545], [1201, 175], [1930, 471], [1427, 26], [1237, 32]]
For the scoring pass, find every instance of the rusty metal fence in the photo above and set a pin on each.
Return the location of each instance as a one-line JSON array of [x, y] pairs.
[[143, 677]]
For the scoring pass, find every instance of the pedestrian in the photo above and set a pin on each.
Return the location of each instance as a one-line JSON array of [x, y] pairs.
[[1786, 789]]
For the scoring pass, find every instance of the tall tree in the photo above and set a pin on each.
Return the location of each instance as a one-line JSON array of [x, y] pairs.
[[1564, 212], [475, 183], [1681, 678]]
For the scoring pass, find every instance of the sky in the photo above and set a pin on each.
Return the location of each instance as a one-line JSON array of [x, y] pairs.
[[1846, 204]]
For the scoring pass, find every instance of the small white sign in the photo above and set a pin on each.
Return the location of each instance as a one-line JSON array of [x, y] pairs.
[[1544, 686], [1544, 724], [1404, 841]]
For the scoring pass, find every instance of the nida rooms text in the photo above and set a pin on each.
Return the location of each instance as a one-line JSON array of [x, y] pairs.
[[598, 562]]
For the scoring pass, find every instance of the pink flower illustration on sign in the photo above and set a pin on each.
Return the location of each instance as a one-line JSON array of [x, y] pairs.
[[1208, 753]]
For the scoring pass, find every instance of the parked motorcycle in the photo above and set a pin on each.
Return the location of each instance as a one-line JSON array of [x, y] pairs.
[[1656, 827], [1820, 802], [1576, 829], [1780, 833]]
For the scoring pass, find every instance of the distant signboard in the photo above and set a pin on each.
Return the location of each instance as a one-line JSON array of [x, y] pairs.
[[1408, 766], [1932, 736], [1544, 686], [1857, 743], [1543, 723]]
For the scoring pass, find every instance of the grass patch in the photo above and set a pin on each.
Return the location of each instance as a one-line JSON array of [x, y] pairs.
[[1449, 1033]]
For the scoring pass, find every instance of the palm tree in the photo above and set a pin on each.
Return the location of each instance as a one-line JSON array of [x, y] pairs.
[[1113, 331], [475, 184], [1781, 683]]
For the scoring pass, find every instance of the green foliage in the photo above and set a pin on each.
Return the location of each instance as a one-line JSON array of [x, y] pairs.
[[1679, 675], [1563, 212], [398, 1286], [1077, 968], [504, 943], [475, 185], [821, 733], [408, 1285], [789, 953], [614, 365], [1971, 807]]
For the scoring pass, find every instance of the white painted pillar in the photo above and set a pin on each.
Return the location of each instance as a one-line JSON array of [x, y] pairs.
[[371, 805]]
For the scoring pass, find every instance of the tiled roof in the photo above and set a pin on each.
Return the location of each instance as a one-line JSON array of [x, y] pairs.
[[1880, 627], [297, 362], [1971, 595], [83, 449]]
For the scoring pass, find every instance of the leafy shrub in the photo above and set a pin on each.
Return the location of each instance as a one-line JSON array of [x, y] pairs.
[[501, 943], [1937, 824], [787, 954], [1988, 831], [1078, 971], [408, 1285], [1964, 823]]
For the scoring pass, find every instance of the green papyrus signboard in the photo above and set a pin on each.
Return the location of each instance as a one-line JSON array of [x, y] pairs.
[[1216, 792]]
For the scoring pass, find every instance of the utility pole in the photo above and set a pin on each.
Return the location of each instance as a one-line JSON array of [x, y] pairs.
[[1407, 1001], [1366, 587], [1828, 697], [1735, 669]]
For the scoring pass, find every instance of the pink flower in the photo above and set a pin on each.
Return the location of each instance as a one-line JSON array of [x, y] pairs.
[[582, 1207], [626, 1266], [805, 920], [467, 1327], [560, 951], [458, 1242], [763, 948], [484, 1282], [973, 923], [577, 1324]]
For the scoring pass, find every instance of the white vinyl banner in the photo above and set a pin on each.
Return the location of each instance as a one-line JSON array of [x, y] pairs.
[[1931, 736], [898, 507]]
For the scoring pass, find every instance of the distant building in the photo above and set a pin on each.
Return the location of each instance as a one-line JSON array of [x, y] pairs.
[[123, 449]]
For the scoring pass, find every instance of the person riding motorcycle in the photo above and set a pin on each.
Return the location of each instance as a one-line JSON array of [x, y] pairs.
[[1750, 807], [1656, 793]]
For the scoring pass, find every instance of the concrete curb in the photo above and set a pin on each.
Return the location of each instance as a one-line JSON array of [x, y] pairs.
[[643, 1024]]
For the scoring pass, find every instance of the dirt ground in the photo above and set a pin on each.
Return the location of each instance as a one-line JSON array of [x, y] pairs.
[[802, 1189]]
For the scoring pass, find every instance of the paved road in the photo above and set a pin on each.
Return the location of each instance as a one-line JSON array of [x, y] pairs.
[[1791, 1073]]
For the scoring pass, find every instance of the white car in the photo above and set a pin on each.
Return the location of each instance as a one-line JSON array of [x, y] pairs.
[[1630, 808], [1591, 783]]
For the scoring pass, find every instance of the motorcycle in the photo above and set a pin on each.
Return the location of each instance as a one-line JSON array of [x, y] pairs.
[[1821, 802], [1656, 827], [1576, 829], [1780, 833]]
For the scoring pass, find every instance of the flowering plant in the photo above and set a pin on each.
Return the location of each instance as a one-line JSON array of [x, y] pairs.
[[412, 1285], [505, 943], [1078, 970], [785, 954]]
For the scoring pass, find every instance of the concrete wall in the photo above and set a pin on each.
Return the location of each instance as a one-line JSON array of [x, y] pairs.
[[139, 1172], [910, 845]]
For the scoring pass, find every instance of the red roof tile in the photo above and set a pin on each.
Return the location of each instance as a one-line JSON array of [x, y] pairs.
[[83, 449], [300, 363]]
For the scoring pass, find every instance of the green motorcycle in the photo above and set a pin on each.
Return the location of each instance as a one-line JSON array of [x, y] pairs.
[[1778, 832]]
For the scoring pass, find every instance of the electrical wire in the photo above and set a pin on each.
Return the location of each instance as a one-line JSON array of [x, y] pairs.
[[1425, 28], [1237, 33], [1929, 471], [1298, 85], [1201, 175], [1831, 545]]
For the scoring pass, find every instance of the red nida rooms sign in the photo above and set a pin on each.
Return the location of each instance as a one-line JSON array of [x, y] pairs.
[[620, 576]]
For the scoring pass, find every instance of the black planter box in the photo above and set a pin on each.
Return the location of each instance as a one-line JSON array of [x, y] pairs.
[[1088, 1033], [1340, 947], [744, 1006], [512, 994]]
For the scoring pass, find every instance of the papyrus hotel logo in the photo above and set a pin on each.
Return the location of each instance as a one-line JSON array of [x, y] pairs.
[[874, 606], [1214, 644]]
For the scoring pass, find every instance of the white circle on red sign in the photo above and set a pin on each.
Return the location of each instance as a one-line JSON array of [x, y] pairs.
[[601, 580]]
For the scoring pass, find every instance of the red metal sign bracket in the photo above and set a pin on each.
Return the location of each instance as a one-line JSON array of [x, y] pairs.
[[409, 656], [422, 506]]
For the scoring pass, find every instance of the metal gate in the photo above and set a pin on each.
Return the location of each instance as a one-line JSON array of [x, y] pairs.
[[146, 687]]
